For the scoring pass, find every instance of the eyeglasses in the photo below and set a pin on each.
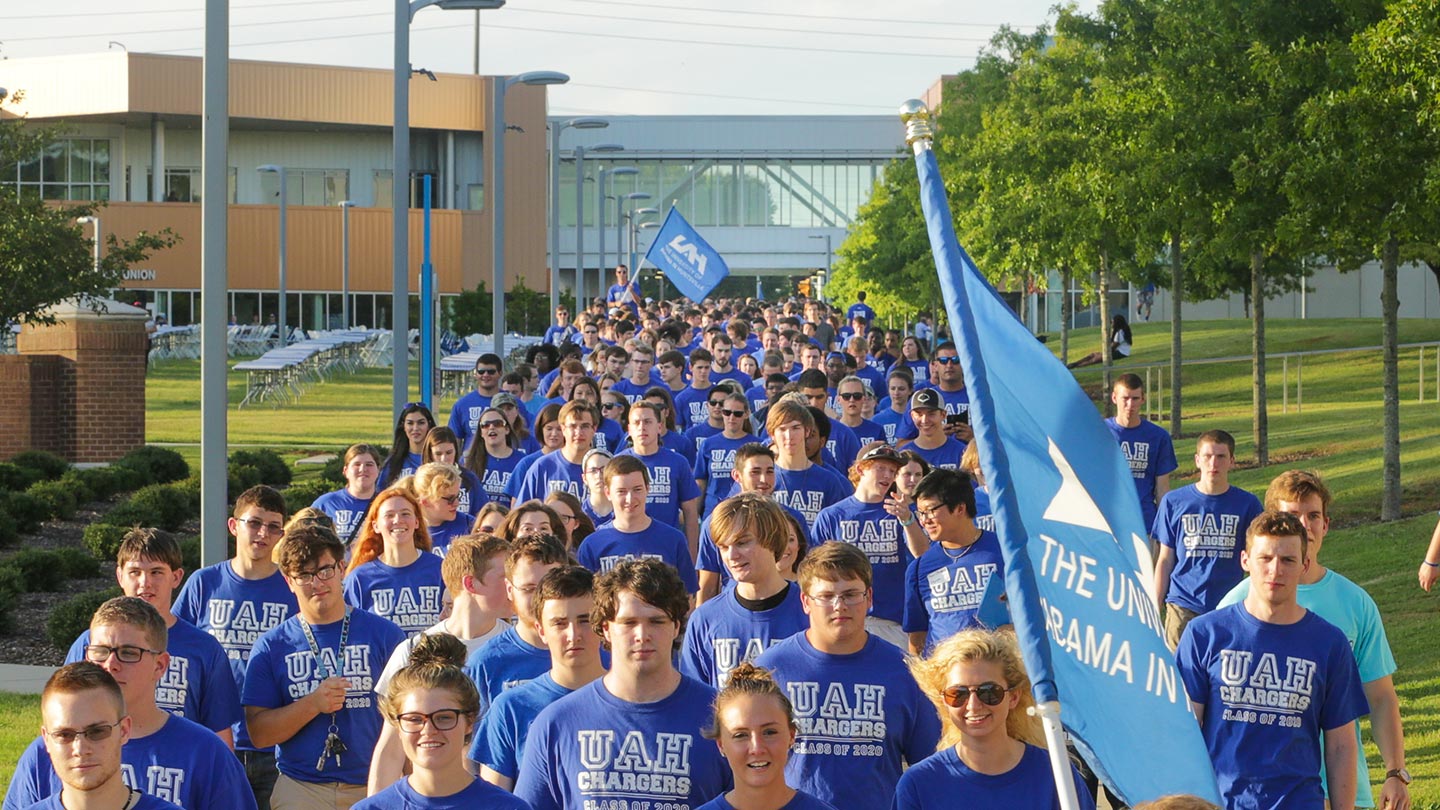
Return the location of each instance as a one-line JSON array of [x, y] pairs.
[[258, 526], [927, 514], [946, 361], [832, 600], [732, 414], [493, 423], [851, 396], [566, 518], [96, 733], [487, 371], [594, 470], [990, 693], [324, 573], [592, 331], [443, 720], [611, 406], [715, 403], [128, 654], [450, 499]]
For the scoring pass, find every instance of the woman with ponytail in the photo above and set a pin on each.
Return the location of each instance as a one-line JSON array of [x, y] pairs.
[[433, 705]]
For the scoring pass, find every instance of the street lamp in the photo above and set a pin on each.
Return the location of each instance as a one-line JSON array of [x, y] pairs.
[[345, 206], [497, 193], [632, 218], [283, 325], [557, 127], [90, 220], [819, 293], [580, 221], [635, 230], [602, 193], [405, 11], [619, 214]]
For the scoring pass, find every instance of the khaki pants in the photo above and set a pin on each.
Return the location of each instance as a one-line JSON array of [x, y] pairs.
[[292, 794], [1176, 618]]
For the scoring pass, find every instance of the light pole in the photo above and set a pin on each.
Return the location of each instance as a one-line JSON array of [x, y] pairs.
[[497, 193], [580, 220], [819, 293], [557, 127], [283, 325], [90, 220], [602, 193], [619, 214], [635, 226], [400, 190], [345, 206]]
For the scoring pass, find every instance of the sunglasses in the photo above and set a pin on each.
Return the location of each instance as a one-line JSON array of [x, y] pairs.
[[990, 693], [852, 396], [732, 414], [946, 361], [716, 403], [487, 371], [493, 423], [611, 406], [450, 499]]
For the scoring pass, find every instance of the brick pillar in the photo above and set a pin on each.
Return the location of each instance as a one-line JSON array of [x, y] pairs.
[[30, 387], [99, 414]]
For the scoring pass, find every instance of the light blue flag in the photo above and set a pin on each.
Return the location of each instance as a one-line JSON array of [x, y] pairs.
[[687, 259], [1076, 557], [992, 611]]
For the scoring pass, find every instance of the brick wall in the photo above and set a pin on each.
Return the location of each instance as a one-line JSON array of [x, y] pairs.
[[30, 388]]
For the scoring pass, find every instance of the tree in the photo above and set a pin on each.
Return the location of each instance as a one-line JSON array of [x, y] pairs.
[[472, 313], [44, 256]]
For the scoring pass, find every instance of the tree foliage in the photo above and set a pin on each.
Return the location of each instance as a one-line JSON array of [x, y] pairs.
[[44, 255]]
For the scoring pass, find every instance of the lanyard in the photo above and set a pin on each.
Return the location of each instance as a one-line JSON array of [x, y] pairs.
[[315, 648]]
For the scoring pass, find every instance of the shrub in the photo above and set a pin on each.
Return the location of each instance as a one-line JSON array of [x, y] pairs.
[[8, 533], [303, 493], [103, 540], [130, 513], [170, 504], [40, 570], [129, 479], [161, 464], [76, 563], [72, 617], [241, 478], [14, 478], [191, 487], [334, 471], [273, 469], [12, 586], [48, 465], [26, 511], [57, 498], [100, 482], [190, 555], [77, 487]]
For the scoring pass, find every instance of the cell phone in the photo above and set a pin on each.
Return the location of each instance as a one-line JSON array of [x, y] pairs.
[[961, 418]]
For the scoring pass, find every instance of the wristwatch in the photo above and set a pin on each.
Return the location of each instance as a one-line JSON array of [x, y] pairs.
[[1399, 773]]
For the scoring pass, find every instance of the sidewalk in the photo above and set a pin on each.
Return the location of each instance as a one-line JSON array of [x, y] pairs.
[[26, 680]]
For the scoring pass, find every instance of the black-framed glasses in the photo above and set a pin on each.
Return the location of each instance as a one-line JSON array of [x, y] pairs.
[[487, 371], [990, 693], [851, 396], [324, 573], [451, 499], [732, 414], [127, 653], [946, 361], [96, 733], [442, 720], [927, 514], [258, 526], [567, 518]]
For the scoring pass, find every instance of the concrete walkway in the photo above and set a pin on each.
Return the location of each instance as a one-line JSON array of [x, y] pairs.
[[25, 680]]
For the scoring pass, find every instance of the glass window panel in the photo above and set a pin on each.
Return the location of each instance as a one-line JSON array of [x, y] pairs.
[[100, 160], [245, 308], [54, 191], [30, 171], [232, 184], [181, 313], [362, 310], [80, 162], [476, 195], [54, 168], [384, 189]]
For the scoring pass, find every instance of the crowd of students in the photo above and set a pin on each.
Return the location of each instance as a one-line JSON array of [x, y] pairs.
[[720, 556]]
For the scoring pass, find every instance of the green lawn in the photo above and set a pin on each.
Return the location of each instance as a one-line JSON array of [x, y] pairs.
[[19, 723]]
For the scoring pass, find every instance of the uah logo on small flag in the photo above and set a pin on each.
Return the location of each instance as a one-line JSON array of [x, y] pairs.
[[687, 259]]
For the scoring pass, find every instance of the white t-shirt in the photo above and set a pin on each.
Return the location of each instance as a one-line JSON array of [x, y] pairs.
[[401, 656]]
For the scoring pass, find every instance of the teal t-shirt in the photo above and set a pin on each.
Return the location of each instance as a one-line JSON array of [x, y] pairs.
[[1346, 605]]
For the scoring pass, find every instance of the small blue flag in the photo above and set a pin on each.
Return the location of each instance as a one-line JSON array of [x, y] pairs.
[[993, 612], [687, 259]]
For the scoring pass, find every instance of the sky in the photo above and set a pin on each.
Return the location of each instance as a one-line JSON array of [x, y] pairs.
[[624, 57]]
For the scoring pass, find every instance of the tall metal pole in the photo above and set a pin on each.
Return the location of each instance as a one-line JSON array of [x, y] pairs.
[[214, 235], [345, 206], [600, 221], [497, 238], [579, 230], [400, 215], [95, 245], [427, 310], [284, 325], [556, 128]]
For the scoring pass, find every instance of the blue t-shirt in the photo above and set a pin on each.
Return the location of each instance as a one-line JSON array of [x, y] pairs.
[[866, 706], [465, 415], [919, 369], [495, 484], [411, 596], [517, 476], [722, 633], [412, 463], [1207, 534], [709, 558], [1347, 606], [608, 547], [672, 483], [471, 494], [557, 335], [618, 291], [868, 527], [735, 374], [945, 457], [1270, 691], [867, 431], [861, 309], [443, 535], [757, 396], [680, 444], [609, 436], [843, 444], [551, 472], [499, 739], [692, 403], [984, 516], [346, 510], [697, 434], [478, 794], [183, 763], [716, 461], [955, 402], [633, 393], [888, 421], [145, 802], [1030, 784], [284, 669], [198, 685], [505, 662], [1150, 453], [943, 592], [591, 749], [800, 801], [235, 612], [810, 490]]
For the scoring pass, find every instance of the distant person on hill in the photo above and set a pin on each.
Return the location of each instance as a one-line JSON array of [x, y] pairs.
[[1121, 339], [1146, 446]]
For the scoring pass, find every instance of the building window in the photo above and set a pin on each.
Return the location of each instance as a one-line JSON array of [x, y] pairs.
[[307, 186], [384, 191], [184, 183], [68, 169]]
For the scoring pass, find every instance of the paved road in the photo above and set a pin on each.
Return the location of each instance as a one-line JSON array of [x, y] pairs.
[[23, 679]]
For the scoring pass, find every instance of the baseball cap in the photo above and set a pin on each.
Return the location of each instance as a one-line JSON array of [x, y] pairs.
[[882, 452], [926, 399], [503, 398]]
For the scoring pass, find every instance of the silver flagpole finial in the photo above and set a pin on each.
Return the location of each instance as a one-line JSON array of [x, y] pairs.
[[919, 123]]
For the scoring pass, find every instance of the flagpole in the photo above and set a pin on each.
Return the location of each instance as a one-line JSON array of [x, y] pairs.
[[1019, 576]]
